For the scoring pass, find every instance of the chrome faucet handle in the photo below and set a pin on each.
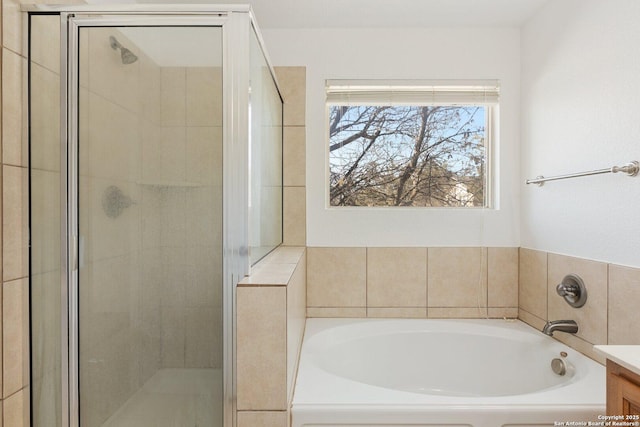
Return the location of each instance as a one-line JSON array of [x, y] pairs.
[[573, 291], [567, 289]]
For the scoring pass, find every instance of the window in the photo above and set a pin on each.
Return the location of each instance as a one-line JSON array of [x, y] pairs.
[[399, 144]]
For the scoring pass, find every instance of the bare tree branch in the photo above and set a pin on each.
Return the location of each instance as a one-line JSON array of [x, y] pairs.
[[406, 156]]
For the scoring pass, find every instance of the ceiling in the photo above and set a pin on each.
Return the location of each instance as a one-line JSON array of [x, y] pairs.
[[167, 48], [272, 14]]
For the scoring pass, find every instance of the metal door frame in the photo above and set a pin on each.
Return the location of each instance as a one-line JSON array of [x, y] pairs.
[[237, 22]]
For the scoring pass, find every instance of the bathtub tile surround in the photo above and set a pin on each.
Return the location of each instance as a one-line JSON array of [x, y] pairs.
[[271, 313], [503, 312], [336, 311], [592, 317], [262, 419], [502, 270], [296, 319], [613, 296], [336, 277], [407, 277], [458, 278], [412, 282], [457, 312], [394, 312], [530, 319], [532, 291], [624, 297], [261, 344]]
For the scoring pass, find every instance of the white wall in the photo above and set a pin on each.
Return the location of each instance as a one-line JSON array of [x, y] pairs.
[[406, 54], [581, 111]]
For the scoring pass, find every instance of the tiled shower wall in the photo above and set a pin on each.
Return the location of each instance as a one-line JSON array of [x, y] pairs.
[[14, 210], [342, 281], [14, 254], [14, 220], [119, 106], [152, 274], [181, 221]]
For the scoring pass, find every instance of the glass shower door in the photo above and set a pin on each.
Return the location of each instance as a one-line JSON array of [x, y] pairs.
[[149, 215]]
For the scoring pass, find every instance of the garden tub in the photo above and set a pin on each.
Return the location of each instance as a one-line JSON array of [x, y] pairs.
[[430, 372]]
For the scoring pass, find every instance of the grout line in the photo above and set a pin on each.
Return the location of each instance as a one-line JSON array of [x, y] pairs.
[[426, 250], [366, 281], [546, 287], [21, 389], [21, 55], [485, 265]]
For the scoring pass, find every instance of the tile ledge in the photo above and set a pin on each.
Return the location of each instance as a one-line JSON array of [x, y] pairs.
[[276, 269], [283, 255]]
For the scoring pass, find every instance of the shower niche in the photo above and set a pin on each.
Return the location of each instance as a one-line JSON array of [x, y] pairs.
[[155, 178]]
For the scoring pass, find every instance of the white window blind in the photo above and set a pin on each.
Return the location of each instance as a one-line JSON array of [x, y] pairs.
[[410, 92]]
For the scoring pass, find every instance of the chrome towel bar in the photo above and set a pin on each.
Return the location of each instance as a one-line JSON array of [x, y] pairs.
[[630, 169]]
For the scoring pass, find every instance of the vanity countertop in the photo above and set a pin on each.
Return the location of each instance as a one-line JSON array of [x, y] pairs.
[[627, 356]]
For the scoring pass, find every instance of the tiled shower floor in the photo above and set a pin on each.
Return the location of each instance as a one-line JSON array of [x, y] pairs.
[[174, 398]]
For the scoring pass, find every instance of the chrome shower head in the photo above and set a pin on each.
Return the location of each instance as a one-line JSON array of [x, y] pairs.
[[126, 55]]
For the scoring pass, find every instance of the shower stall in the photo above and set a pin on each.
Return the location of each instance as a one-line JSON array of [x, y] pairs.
[[155, 153]]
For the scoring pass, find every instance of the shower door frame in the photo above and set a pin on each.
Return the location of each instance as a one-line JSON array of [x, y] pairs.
[[236, 22]]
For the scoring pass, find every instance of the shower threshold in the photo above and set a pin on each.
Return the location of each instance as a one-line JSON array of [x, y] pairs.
[[174, 397]]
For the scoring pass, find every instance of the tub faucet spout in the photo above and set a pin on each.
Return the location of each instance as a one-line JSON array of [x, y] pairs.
[[569, 326]]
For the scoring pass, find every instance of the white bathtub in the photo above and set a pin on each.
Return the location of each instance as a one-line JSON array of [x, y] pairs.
[[481, 373]]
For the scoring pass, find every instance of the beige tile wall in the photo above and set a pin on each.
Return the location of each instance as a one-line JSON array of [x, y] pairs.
[[183, 186], [45, 175], [13, 207], [261, 348], [14, 397], [272, 299], [611, 309], [14, 184], [292, 83], [113, 154], [262, 418], [471, 283], [412, 282], [592, 317], [533, 283], [616, 288], [271, 313], [623, 303], [134, 105]]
